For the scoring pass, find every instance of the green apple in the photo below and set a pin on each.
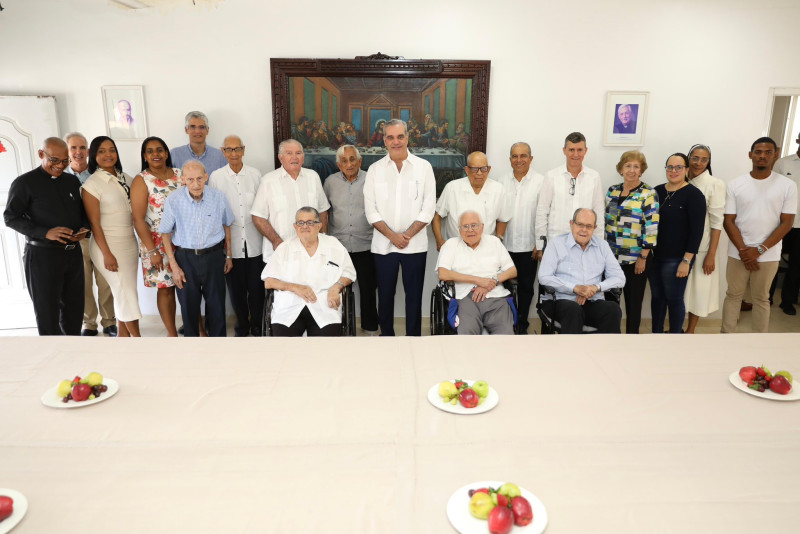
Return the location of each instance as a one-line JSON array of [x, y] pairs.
[[480, 505], [481, 388], [64, 388], [785, 374], [447, 390], [94, 379], [509, 490]]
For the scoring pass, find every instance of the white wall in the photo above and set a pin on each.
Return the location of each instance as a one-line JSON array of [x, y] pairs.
[[708, 66]]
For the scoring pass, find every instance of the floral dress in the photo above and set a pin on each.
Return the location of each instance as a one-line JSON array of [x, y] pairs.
[[157, 192]]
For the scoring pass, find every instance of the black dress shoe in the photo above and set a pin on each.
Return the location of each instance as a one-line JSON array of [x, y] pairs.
[[788, 309], [180, 331], [87, 332], [255, 331], [110, 331]]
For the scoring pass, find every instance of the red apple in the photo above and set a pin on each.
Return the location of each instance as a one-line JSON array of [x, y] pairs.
[[780, 385], [523, 514], [81, 392], [502, 500], [748, 374], [6, 507], [501, 520], [468, 398]]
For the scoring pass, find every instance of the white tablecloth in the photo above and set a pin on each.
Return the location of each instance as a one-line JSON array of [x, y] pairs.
[[614, 434]]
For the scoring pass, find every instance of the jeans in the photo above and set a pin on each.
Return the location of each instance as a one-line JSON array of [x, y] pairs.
[[666, 291]]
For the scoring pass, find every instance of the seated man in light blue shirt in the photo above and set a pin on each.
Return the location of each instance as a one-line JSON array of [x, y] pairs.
[[197, 220], [580, 267], [197, 127]]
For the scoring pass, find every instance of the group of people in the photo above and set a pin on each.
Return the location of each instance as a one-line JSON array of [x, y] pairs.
[[205, 220]]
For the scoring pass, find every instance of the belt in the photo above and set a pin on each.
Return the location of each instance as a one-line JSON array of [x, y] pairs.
[[52, 244], [201, 251]]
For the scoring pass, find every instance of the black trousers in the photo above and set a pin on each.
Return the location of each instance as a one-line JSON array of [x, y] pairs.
[[305, 323], [367, 280], [526, 274], [205, 279], [246, 290], [791, 283], [55, 283], [604, 315], [633, 293], [388, 267]]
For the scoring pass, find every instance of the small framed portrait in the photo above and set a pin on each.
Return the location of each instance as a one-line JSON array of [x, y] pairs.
[[626, 118], [125, 112]]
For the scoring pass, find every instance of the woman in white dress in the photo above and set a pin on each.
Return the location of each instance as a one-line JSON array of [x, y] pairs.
[[702, 289], [114, 249]]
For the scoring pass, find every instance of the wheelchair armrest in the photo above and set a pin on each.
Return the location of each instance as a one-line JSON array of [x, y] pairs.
[[550, 290], [511, 284]]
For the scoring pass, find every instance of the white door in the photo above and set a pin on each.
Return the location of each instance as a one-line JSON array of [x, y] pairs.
[[25, 121]]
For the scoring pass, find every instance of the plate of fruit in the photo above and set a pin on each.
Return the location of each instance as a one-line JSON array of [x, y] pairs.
[[497, 508], [761, 382], [463, 396], [13, 506], [79, 392]]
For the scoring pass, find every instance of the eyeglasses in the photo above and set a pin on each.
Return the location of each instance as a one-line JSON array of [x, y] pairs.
[[695, 159], [56, 161], [200, 127], [237, 149], [473, 226], [572, 186], [585, 226], [483, 169], [301, 224], [672, 168]]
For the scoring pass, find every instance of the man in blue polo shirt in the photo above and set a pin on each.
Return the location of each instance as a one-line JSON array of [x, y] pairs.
[[197, 128], [197, 220]]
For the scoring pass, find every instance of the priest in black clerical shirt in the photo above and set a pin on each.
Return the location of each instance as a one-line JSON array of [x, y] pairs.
[[45, 205]]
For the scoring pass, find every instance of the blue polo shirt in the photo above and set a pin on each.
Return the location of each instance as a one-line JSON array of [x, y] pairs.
[[212, 159]]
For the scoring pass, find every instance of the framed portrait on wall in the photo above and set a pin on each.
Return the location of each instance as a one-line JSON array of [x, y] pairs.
[[125, 113], [625, 118], [327, 103]]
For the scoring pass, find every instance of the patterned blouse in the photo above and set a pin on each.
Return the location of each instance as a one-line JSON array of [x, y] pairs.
[[631, 225]]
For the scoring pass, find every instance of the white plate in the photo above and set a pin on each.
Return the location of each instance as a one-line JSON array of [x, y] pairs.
[[51, 398], [20, 508], [466, 523], [740, 384], [491, 401]]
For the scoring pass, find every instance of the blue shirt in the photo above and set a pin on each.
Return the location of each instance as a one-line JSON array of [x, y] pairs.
[[196, 224], [566, 265], [212, 159]]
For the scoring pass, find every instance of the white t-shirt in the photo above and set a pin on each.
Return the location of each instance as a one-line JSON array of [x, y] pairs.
[[458, 197], [291, 263], [758, 205], [280, 196], [488, 259], [522, 197], [790, 168]]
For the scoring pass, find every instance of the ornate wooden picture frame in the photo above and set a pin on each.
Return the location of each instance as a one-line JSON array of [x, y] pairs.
[[324, 103]]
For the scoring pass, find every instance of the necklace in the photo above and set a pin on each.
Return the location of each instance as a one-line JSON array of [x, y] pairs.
[[671, 194]]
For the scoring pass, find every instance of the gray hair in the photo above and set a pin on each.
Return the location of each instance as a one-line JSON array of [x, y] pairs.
[[285, 142], [193, 163], [195, 115], [469, 212], [579, 210], [307, 209], [74, 134], [520, 143], [575, 138], [232, 136], [397, 122], [54, 142], [340, 151]]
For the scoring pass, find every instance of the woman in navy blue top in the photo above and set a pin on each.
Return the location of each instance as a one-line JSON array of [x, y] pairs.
[[682, 213]]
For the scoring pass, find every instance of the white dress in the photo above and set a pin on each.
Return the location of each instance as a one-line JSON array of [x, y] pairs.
[[702, 290], [116, 220]]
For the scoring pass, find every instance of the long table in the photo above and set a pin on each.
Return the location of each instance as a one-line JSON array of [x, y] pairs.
[[613, 434]]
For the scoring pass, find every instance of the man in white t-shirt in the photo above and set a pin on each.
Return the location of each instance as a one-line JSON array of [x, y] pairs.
[[565, 189], [474, 192], [790, 168], [522, 187], [759, 210], [478, 264]]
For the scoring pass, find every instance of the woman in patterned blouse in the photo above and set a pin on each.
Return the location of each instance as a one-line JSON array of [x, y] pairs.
[[631, 230]]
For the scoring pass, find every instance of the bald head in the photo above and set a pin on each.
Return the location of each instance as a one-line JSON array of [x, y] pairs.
[[54, 156]]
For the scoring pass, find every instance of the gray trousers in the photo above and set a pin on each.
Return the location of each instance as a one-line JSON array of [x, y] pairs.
[[493, 313]]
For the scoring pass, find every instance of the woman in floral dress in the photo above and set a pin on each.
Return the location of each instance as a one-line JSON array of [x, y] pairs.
[[148, 193]]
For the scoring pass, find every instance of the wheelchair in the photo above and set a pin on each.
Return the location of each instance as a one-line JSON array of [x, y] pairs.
[[440, 301], [550, 325], [348, 312]]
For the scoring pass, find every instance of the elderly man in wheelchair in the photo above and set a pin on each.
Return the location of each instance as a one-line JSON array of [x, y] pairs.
[[576, 269], [308, 274], [478, 265]]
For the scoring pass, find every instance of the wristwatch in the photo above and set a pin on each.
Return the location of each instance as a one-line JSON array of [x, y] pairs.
[[686, 260], [761, 248], [495, 279]]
